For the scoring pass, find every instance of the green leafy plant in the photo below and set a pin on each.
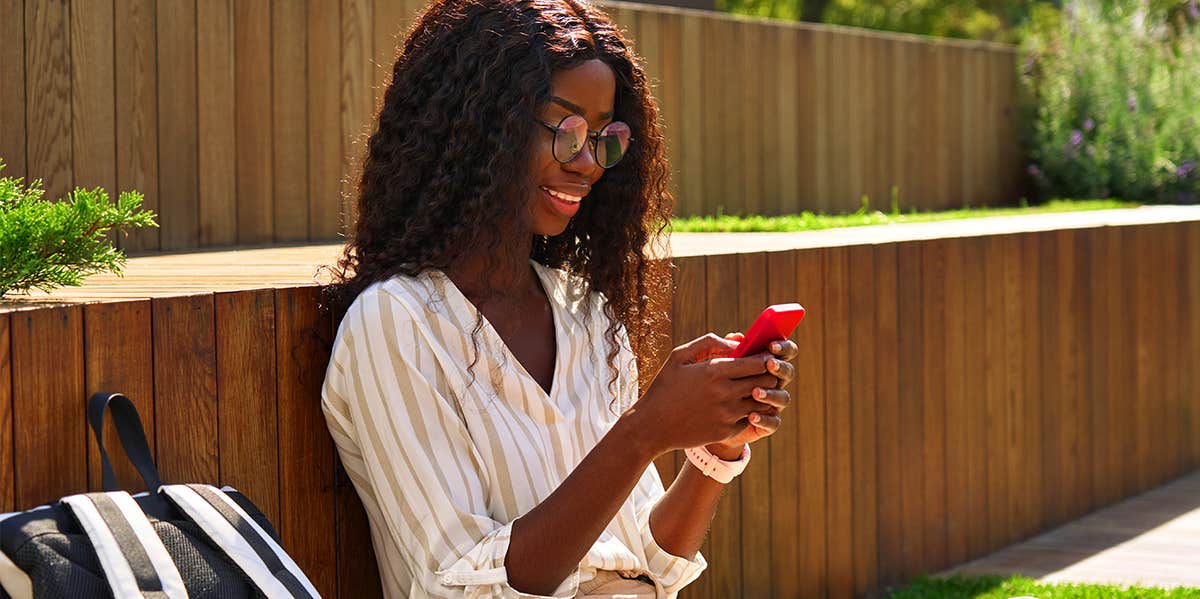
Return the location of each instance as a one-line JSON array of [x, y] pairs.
[[45, 244], [1112, 105]]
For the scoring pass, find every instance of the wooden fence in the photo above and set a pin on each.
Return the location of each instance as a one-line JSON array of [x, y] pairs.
[[952, 396], [241, 120]]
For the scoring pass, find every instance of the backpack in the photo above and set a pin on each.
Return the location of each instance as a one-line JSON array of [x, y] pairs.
[[175, 541]]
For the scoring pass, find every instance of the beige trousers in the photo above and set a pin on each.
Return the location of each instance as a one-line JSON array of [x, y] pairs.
[[609, 584]]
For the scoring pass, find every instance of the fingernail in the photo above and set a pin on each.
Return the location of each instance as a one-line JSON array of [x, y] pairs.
[[776, 346], [772, 364], [754, 418], [758, 393]]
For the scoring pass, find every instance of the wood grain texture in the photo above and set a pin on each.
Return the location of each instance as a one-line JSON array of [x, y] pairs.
[[862, 354], [118, 358], [811, 502], [691, 133], [289, 113], [974, 392], [1029, 498], [7, 465], [185, 389], [12, 87], [255, 125], [357, 570], [137, 112], [995, 373], [838, 433], [93, 115], [933, 400], [911, 397], [48, 80], [247, 410], [323, 56], [889, 466], [306, 453], [49, 443], [217, 123], [178, 150], [959, 403], [356, 71]]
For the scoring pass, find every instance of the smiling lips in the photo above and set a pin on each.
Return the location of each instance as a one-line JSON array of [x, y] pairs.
[[562, 196]]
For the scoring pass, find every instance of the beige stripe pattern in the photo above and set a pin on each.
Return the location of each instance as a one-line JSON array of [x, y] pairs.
[[444, 462]]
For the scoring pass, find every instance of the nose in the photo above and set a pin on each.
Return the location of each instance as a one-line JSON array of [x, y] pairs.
[[584, 163]]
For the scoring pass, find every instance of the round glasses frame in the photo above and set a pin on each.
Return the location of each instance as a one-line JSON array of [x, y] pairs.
[[593, 137]]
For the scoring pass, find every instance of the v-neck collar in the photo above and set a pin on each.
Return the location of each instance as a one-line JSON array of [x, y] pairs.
[[543, 275]]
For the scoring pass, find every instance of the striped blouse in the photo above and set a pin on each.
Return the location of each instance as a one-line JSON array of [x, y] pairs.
[[444, 462]]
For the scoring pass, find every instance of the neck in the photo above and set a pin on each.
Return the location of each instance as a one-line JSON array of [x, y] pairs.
[[504, 273]]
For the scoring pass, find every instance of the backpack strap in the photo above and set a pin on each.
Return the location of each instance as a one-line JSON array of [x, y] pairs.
[[133, 557], [263, 561]]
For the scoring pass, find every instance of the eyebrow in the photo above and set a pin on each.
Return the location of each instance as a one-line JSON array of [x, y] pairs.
[[574, 108]]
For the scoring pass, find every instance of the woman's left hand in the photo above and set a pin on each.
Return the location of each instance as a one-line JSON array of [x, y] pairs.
[[764, 422]]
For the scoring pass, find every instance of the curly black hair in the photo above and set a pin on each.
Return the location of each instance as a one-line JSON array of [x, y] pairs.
[[451, 150]]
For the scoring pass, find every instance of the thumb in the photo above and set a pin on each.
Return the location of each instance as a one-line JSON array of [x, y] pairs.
[[702, 348]]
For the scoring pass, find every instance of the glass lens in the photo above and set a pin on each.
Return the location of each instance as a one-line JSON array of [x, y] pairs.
[[614, 140], [570, 137]]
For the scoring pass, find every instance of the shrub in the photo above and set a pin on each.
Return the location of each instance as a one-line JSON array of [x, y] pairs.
[[46, 244], [1112, 103]]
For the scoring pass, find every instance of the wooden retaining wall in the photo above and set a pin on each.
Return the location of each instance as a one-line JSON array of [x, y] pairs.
[[241, 121], [953, 396]]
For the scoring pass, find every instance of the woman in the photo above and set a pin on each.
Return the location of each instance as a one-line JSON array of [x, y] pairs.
[[482, 389]]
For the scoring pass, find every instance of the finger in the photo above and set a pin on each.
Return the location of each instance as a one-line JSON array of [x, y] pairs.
[[785, 350], [736, 368], [785, 371], [709, 344], [777, 398], [745, 387], [735, 336], [765, 423]]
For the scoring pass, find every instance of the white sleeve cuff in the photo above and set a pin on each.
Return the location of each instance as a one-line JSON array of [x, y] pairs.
[[481, 572], [673, 572]]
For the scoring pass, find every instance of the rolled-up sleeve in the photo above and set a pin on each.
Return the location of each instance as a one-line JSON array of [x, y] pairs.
[[406, 446]]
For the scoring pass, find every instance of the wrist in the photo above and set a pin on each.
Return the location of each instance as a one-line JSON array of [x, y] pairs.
[[726, 452], [631, 429]]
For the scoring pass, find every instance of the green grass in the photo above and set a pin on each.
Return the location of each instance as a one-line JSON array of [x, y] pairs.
[[807, 221], [995, 587]]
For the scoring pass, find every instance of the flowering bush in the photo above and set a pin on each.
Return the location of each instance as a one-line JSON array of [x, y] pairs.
[[1113, 94]]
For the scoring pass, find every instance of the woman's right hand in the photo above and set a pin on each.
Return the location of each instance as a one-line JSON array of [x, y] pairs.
[[700, 395]]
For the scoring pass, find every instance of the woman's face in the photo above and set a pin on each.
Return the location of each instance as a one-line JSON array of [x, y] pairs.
[[589, 91]]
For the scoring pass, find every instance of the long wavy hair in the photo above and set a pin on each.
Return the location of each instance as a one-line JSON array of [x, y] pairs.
[[450, 158]]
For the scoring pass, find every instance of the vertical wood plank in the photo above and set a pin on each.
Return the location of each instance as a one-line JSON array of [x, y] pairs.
[[712, 143], [386, 40], [691, 122], [756, 493], [688, 310], [357, 568], [1101, 323], [178, 158], [117, 357], [787, 522], [1123, 361], [836, 135], [137, 112], [324, 126], [289, 151], [247, 418], [1191, 350], [996, 369], [1080, 350], [356, 44], [49, 440], [810, 178], [974, 389], [1052, 393], [1169, 357], [839, 532], [668, 89], [887, 383], [911, 397], [217, 123], [725, 542], [48, 82], [253, 85], [303, 336], [863, 397], [748, 64], [1029, 502], [12, 88], [7, 470], [958, 403], [933, 398], [788, 64], [185, 388], [811, 502], [93, 115]]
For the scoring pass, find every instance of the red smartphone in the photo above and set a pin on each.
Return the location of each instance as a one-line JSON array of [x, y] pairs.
[[774, 323]]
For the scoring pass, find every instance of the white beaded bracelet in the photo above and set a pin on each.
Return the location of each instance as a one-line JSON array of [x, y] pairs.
[[715, 468]]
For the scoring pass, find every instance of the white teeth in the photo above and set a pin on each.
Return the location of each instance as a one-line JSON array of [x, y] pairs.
[[562, 196]]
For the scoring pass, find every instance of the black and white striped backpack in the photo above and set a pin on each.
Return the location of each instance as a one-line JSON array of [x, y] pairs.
[[180, 541]]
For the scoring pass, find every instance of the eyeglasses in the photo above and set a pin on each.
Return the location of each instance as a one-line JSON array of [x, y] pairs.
[[608, 144]]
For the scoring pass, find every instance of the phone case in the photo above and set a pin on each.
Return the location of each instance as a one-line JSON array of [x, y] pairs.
[[774, 323]]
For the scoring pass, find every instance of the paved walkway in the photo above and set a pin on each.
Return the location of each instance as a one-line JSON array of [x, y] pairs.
[[1152, 540]]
